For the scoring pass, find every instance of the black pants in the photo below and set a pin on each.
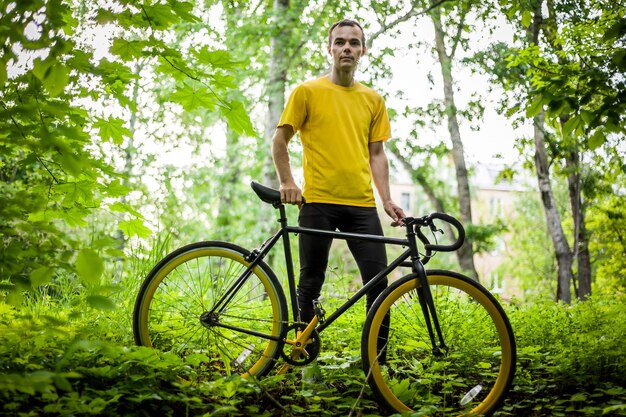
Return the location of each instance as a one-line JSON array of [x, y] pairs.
[[371, 257]]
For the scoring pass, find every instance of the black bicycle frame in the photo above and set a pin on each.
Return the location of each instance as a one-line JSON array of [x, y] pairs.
[[424, 294]]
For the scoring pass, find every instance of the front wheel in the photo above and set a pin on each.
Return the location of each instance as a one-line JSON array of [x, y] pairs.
[[174, 310], [472, 373]]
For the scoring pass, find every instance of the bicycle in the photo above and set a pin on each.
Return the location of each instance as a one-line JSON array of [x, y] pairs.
[[450, 348]]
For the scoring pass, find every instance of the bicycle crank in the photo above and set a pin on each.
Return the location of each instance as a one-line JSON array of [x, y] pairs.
[[298, 353]]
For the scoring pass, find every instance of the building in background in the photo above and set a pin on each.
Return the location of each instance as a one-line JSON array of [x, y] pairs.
[[493, 200]]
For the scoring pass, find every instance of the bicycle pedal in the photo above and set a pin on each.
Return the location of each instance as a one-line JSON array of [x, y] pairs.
[[319, 311]]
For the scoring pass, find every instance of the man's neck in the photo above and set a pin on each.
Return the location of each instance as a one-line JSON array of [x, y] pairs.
[[342, 78]]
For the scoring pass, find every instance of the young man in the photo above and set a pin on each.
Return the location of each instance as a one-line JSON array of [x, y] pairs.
[[342, 125]]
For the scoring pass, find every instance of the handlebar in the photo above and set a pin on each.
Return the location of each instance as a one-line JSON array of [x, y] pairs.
[[428, 221]]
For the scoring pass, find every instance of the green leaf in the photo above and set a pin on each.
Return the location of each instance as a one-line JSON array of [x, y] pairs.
[[613, 408], [74, 217], [127, 50], [124, 208], [596, 140], [112, 129], [40, 68], [71, 163], [62, 383], [116, 189], [217, 59], [571, 125], [3, 73], [527, 18], [587, 116], [76, 192], [535, 107], [238, 119], [56, 79], [192, 98], [134, 227], [89, 266], [41, 276], [100, 302], [161, 16]]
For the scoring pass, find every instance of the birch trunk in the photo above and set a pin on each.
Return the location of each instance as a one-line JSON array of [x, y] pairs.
[[573, 164], [581, 241], [277, 75], [553, 218], [466, 252]]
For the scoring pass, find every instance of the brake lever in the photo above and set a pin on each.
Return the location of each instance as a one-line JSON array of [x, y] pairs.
[[434, 229]]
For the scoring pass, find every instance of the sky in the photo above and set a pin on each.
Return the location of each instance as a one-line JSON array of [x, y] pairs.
[[410, 68]]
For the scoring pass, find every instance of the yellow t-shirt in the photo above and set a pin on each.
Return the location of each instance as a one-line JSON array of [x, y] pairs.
[[336, 125]]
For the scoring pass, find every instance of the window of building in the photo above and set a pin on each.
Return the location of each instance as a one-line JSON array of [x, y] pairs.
[[495, 206], [405, 202]]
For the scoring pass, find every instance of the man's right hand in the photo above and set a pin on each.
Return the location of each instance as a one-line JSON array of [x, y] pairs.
[[290, 193]]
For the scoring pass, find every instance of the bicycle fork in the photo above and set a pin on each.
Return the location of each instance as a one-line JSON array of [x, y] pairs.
[[427, 304], [425, 296]]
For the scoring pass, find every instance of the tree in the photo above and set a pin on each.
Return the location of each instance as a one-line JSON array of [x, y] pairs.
[[568, 71], [446, 47], [446, 17], [53, 176], [577, 84]]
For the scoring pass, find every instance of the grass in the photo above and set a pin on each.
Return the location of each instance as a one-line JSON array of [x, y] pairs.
[[62, 355]]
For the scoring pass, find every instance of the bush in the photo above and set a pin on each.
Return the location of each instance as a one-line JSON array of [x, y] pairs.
[[571, 359], [571, 362]]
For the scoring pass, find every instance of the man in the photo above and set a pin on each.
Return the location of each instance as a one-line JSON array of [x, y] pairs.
[[342, 125]]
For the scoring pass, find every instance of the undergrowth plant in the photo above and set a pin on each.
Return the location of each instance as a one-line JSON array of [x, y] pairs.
[[63, 357]]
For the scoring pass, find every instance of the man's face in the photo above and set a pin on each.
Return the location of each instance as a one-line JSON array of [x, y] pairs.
[[346, 47]]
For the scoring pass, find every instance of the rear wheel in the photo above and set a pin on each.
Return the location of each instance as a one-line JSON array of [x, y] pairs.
[[171, 310], [470, 377]]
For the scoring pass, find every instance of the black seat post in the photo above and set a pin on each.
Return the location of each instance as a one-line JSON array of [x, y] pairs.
[[282, 214]]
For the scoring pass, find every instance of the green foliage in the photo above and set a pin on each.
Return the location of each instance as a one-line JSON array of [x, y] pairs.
[[571, 361], [483, 236], [533, 265], [70, 118], [606, 223], [59, 144]]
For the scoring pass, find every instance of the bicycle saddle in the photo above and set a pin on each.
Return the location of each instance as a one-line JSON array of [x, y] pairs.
[[266, 194]]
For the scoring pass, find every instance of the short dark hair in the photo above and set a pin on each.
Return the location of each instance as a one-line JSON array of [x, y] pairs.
[[346, 22]]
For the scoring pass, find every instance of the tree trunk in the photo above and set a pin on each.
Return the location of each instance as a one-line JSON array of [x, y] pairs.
[[581, 241], [130, 151], [572, 161], [466, 252], [553, 219], [228, 185], [277, 77]]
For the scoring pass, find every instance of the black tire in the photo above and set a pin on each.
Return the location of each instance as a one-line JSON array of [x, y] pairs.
[[187, 283], [473, 374]]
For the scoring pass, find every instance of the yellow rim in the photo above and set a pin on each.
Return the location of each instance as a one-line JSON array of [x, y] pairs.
[[502, 330], [215, 252]]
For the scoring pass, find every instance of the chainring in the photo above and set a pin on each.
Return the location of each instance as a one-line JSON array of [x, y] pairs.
[[312, 348]]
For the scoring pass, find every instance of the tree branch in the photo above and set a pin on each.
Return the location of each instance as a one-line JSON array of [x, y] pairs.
[[457, 36], [411, 13], [221, 102], [25, 138], [308, 35]]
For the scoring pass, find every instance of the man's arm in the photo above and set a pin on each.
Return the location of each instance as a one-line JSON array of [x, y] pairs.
[[289, 192], [380, 173]]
